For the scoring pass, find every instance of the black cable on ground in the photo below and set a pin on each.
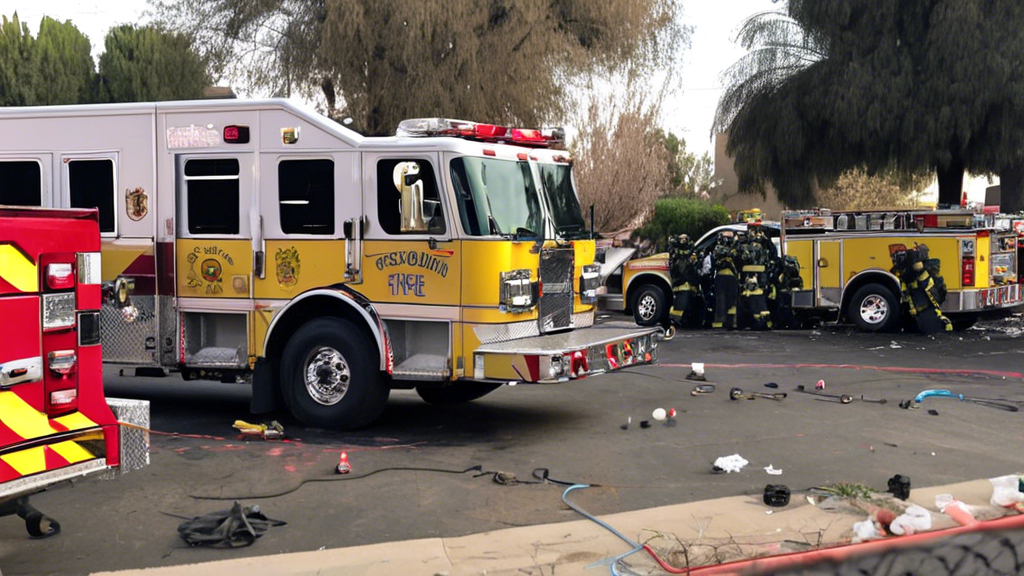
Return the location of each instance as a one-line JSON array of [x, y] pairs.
[[540, 475]]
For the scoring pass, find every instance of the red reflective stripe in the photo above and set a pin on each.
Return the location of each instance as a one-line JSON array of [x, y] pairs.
[[7, 472], [54, 460], [8, 436]]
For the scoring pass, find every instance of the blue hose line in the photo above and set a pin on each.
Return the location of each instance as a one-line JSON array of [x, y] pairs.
[[636, 546]]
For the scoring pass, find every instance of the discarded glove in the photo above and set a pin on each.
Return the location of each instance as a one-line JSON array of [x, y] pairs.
[[234, 528]]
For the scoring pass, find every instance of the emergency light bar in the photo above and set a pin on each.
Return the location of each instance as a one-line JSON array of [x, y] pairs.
[[422, 127]]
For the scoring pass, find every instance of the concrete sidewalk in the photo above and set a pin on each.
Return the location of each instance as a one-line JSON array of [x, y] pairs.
[[707, 532]]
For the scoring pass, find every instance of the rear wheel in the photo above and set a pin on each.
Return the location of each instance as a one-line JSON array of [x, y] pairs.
[[649, 305], [874, 308], [455, 393], [330, 375]]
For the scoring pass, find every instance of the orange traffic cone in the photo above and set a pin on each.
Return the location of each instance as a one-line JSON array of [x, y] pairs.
[[343, 466], [963, 199]]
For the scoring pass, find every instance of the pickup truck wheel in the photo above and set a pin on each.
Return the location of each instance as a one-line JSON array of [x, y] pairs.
[[649, 305], [874, 308], [330, 376], [455, 393]]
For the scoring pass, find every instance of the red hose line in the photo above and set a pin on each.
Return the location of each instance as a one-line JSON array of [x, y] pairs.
[[836, 553], [898, 369]]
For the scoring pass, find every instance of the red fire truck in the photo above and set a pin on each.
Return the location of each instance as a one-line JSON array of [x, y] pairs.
[[55, 422]]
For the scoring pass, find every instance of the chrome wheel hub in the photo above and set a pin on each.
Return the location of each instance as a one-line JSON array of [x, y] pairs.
[[646, 306], [874, 309], [327, 376]]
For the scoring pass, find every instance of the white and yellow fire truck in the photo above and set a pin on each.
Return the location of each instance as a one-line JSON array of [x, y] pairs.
[[55, 423], [845, 266], [255, 240]]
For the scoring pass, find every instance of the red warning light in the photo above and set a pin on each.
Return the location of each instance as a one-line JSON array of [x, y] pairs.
[[236, 134]]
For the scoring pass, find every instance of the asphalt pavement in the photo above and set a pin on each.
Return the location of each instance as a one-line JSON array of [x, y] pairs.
[[573, 430]]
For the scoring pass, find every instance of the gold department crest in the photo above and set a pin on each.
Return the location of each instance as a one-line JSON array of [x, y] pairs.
[[287, 266]]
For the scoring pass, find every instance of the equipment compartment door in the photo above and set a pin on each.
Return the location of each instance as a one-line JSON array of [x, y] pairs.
[[829, 272]]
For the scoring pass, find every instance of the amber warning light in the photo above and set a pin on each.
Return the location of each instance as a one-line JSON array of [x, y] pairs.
[[236, 134]]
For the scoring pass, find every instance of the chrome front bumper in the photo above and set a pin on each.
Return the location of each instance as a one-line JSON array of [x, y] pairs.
[[985, 299], [572, 355]]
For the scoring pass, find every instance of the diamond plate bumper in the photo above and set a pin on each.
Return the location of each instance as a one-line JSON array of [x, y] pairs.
[[134, 448], [567, 356]]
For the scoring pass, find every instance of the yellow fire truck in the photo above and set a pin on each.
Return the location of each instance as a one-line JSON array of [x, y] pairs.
[[845, 261], [257, 241]]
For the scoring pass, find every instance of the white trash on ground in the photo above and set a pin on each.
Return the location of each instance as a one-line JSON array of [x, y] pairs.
[[733, 463], [866, 530], [773, 471], [1006, 493], [914, 519]]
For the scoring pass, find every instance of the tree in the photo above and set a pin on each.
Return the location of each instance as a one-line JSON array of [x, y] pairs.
[[620, 163], [690, 175], [379, 61], [856, 189], [835, 84], [65, 64], [18, 63], [143, 64]]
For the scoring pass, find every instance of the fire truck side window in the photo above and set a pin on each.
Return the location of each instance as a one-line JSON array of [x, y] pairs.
[[21, 183], [212, 196], [408, 201], [91, 183], [305, 190]]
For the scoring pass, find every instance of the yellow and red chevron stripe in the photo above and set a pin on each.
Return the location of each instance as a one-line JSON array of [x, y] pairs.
[[20, 423], [18, 272]]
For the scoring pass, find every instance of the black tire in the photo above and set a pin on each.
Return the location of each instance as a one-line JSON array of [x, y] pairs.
[[885, 302], [459, 393], [963, 323], [649, 305], [366, 394]]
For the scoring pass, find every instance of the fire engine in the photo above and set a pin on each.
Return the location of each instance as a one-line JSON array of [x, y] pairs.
[[845, 266], [255, 241], [55, 424]]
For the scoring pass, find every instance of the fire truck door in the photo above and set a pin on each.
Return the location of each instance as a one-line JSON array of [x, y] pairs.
[[305, 202], [828, 272], [215, 197]]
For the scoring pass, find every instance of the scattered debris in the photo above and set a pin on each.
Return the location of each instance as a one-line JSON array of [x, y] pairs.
[[729, 464], [272, 431], [909, 405], [914, 519], [768, 512], [894, 345], [892, 444], [980, 401], [841, 398], [866, 530], [776, 495], [672, 412], [1006, 493], [343, 465], [735, 393], [659, 414], [778, 396], [899, 486], [771, 385], [629, 420], [773, 471], [820, 385], [645, 423], [702, 389], [234, 528], [933, 412], [696, 372]]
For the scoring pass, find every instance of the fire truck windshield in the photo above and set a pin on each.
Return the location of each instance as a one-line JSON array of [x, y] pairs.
[[562, 202], [497, 197]]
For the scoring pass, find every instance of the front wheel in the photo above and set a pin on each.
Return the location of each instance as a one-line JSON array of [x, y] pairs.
[[330, 375], [874, 308], [649, 305], [455, 393]]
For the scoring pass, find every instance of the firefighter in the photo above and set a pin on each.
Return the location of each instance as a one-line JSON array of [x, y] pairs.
[[785, 279], [684, 268], [753, 303], [726, 284], [923, 288]]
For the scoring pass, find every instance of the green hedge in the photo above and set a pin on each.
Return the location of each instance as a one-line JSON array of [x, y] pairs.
[[674, 216]]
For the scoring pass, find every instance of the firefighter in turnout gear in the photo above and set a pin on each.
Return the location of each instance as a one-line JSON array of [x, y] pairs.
[[785, 279], [754, 288], [923, 288], [726, 286], [684, 269]]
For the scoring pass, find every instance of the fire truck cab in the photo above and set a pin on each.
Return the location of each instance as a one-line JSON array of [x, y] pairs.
[[258, 241], [55, 423]]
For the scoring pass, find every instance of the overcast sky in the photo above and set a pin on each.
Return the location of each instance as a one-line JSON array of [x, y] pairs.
[[688, 113]]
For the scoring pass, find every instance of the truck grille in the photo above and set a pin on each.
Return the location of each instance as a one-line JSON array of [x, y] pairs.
[[556, 276]]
